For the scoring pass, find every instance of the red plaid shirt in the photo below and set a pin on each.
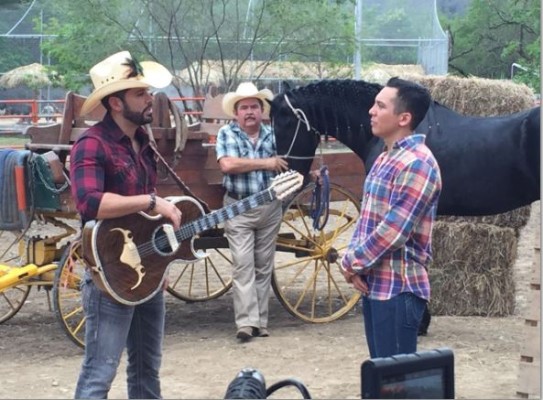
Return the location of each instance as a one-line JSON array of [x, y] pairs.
[[102, 160]]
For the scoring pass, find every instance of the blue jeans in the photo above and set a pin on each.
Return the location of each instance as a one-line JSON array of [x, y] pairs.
[[110, 327], [391, 326]]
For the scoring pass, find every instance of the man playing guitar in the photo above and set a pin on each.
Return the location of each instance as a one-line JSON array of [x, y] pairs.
[[113, 174]]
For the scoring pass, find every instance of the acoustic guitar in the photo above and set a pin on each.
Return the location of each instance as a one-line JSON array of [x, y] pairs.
[[130, 255]]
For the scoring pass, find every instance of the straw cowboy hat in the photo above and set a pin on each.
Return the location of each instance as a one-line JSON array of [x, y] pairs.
[[245, 90], [121, 71]]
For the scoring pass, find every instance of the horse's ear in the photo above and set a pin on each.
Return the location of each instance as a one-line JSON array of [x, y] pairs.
[[286, 86]]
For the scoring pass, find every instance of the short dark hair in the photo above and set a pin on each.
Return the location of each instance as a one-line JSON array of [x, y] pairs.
[[105, 100], [412, 98]]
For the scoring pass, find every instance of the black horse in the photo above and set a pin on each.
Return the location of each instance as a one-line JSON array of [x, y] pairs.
[[489, 165]]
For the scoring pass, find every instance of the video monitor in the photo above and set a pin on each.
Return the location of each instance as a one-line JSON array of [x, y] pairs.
[[421, 375]]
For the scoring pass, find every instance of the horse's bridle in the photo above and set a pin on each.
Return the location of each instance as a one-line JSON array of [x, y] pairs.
[[302, 118]]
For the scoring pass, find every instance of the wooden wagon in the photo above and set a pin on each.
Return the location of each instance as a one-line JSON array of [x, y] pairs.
[[307, 280]]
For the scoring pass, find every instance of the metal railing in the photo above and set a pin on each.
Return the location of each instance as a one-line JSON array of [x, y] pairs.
[[36, 112]]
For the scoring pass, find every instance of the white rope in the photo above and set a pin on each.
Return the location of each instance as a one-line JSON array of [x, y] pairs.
[[297, 112]]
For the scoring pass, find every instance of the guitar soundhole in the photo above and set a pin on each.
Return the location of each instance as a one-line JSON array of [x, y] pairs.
[[165, 244]]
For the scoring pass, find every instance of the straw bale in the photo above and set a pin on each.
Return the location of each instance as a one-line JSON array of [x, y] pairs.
[[515, 219], [34, 76], [477, 96], [381, 73], [472, 270], [211, 71], [468, 96]]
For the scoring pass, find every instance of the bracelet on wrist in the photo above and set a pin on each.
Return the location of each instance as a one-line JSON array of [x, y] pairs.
[[152, 202]]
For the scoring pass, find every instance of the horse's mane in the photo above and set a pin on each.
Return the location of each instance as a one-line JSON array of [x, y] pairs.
[[335, 107]]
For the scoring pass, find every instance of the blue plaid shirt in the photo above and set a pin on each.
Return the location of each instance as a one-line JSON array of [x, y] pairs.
[[234, 142]]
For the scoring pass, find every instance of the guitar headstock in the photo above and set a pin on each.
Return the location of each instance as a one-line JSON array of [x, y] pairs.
[[286, 183]]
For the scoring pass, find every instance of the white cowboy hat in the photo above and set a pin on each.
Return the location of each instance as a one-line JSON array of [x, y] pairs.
[[112, 75], [245, 90]]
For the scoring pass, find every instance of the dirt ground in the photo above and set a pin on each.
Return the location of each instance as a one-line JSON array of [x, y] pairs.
[[201, 355]]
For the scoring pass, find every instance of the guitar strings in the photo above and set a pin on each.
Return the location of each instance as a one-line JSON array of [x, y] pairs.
[[207, 221], [188, 230]]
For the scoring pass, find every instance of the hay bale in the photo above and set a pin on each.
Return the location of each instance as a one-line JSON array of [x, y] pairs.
[[515, 219], [381, 73], [472, 270], [468, 96], [477, 96]]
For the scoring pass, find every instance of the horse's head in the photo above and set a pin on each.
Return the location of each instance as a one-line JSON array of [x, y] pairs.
[[338, 108], [294, 137]]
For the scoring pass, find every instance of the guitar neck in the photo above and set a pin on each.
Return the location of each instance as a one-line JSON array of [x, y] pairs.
[[230, 211]]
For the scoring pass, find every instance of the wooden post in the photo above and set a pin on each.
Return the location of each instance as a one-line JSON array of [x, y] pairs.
[[529, 384], [34, 111]]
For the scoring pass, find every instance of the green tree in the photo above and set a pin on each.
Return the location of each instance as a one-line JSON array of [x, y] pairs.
[[81, 33], [187, 33], [495, 34]]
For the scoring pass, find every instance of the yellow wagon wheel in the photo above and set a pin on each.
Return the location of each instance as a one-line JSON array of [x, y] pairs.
[[307, 278], [11, 301], [67, 293], [207, 278], [12, 298]]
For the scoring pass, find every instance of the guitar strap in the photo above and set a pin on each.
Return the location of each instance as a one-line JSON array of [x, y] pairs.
[[176, 178]]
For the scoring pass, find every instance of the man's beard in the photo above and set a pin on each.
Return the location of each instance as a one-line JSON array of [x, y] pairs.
[[137, 118]]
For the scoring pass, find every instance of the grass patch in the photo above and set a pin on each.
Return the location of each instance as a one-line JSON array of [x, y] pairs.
[[17, 141]]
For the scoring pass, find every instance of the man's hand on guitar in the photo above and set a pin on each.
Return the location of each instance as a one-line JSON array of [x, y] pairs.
[[168, 210]]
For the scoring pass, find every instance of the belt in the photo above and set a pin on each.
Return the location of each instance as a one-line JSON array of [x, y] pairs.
[[235, 196]]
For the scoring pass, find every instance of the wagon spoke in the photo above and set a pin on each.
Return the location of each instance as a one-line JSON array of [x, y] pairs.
[[67, 293], [202, 279], [304, 281]]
